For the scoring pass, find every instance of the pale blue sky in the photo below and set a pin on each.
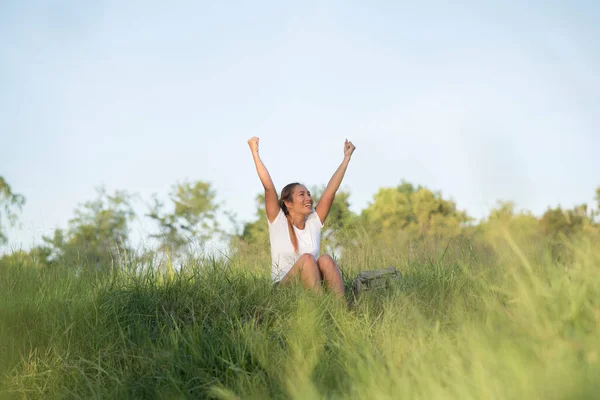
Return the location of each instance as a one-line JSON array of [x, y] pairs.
[[481, 100]]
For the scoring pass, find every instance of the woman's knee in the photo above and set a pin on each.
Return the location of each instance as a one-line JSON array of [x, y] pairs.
[[307, 259], [326, 261], [327, 265], [307, 266]]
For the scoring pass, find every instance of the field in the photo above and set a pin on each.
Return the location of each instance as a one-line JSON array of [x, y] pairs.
[[511, 321]]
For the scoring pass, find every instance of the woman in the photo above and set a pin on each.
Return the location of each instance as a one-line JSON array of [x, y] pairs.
[[295, 228]]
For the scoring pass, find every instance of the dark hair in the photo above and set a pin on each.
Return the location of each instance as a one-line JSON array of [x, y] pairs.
[[286, 195]]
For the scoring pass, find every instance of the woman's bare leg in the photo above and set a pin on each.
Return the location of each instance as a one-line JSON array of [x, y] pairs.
[[332, 274], [307, 270]]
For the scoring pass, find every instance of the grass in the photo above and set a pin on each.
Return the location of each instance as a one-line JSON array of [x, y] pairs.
[[462, 323]]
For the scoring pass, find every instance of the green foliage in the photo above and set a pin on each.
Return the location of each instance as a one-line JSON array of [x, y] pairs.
[[507, 308], [391, 209], [505, 216], [192, 217], [508, 327], [38, 256], [257, 231], [9, 201], [400, 216], [418, 211], [97, 236], [556, 222]]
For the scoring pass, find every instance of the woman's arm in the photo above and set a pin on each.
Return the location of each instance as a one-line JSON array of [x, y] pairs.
[[328, 195], [271, 200]]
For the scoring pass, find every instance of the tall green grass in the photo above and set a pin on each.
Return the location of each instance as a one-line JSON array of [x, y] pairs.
[[462, 323]]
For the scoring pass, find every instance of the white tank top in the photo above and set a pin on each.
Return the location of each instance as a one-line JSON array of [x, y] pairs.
[[283, 256]]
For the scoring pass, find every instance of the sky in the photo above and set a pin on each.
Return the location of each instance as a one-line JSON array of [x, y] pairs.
[[484, 101]]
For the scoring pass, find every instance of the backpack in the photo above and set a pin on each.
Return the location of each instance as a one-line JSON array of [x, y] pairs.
[[374, 280]]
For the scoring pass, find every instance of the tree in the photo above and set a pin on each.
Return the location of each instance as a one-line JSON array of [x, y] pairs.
[[557, 222], [391, 209], [38, 256], [97, 236], [504, 212], [192, 218], [257, 231], [9, 201], [522, 225], [417, 211]]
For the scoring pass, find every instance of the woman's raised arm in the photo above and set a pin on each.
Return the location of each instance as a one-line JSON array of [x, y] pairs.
[[328, 195], [271, 200]]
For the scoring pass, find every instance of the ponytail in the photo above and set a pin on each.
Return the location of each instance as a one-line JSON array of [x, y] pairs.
[[293, 236]]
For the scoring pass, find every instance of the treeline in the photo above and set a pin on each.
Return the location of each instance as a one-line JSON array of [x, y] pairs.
[[98, 234]]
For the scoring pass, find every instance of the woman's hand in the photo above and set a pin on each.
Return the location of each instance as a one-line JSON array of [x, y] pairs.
[[253, 143], [348, 148]]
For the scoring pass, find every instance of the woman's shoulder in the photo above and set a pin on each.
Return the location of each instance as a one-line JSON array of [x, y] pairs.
[[314, 219], [278, 219]]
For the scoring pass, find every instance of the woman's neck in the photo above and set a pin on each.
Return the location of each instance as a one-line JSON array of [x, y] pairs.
[[298, 220]]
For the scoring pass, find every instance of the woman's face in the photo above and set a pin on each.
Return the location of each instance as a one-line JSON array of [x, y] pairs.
[[302, 201]]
